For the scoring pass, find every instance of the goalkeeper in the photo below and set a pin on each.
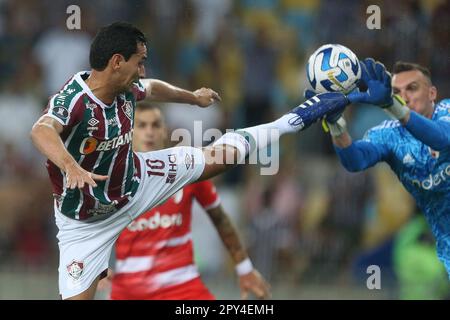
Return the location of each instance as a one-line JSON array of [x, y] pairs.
[[416, 144]]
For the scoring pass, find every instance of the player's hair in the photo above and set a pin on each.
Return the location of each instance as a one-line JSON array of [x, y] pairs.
[[144, 106], [147, 106], [119, 37], [401, 66]]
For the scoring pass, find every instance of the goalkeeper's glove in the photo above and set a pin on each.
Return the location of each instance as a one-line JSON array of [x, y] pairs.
[[377, 79], [336, 128]]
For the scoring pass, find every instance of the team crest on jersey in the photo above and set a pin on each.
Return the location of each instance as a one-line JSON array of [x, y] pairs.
[[434, 154], [75, 269], [127, 108]]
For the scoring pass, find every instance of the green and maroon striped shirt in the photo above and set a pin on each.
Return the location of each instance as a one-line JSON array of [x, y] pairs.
[[99, 137]]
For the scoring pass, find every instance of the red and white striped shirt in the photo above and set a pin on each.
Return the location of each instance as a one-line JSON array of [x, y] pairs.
[[155, 251]]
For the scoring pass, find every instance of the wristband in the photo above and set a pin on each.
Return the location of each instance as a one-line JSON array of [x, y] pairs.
[[398, 108], [244, 267], [337, 128]]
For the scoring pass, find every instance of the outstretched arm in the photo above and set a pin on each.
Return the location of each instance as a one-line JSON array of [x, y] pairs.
[[161, 91], [249, 278], [355, 155], [435, 134], [359, 155]]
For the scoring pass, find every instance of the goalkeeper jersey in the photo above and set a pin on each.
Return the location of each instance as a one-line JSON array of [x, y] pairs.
[[99, 137], [424, 172]]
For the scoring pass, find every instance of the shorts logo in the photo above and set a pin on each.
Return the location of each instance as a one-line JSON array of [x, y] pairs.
[[127, 108], [173, 168], [189, 161], [75, 269], [434, 154]]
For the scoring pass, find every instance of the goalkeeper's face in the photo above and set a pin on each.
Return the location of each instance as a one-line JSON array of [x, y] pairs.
[[417, 91]]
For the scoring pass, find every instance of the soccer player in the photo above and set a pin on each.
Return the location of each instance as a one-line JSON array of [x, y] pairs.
[[416, 145], [99, 184], [154, 254]]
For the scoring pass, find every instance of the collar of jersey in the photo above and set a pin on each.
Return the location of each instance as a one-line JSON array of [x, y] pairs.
[[436, 107], [86, 89]]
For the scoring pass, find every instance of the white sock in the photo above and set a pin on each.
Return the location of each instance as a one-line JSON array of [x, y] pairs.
[[247, 140], [271, 132]]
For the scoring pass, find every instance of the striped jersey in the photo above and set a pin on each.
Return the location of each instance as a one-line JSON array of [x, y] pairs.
[[155, 252], [99, 137]]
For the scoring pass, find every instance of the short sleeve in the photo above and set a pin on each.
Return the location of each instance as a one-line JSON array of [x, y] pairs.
[[138, 91], [65, 108], [206, 194]]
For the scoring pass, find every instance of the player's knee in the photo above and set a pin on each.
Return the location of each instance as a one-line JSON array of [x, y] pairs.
[[221, 155], [234, 148]]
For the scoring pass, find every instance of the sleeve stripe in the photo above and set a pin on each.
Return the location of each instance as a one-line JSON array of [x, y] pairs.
[[49, 114], [213, 205]]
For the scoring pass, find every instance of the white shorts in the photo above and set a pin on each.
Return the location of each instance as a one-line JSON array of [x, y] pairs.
[[85, 248]]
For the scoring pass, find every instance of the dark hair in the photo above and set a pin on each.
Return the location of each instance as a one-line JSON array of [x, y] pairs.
[[119, 37], [401, 66]]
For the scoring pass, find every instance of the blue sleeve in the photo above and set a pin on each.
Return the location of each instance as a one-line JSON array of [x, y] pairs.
[[433, 133], [361, 155]]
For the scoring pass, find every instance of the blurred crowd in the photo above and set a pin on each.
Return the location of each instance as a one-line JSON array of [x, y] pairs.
[[312, 222]]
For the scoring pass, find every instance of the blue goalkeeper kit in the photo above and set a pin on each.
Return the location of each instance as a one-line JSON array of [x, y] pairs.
[[419, 154]]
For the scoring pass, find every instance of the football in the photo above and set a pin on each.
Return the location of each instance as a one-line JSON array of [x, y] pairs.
[[333, 68]]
